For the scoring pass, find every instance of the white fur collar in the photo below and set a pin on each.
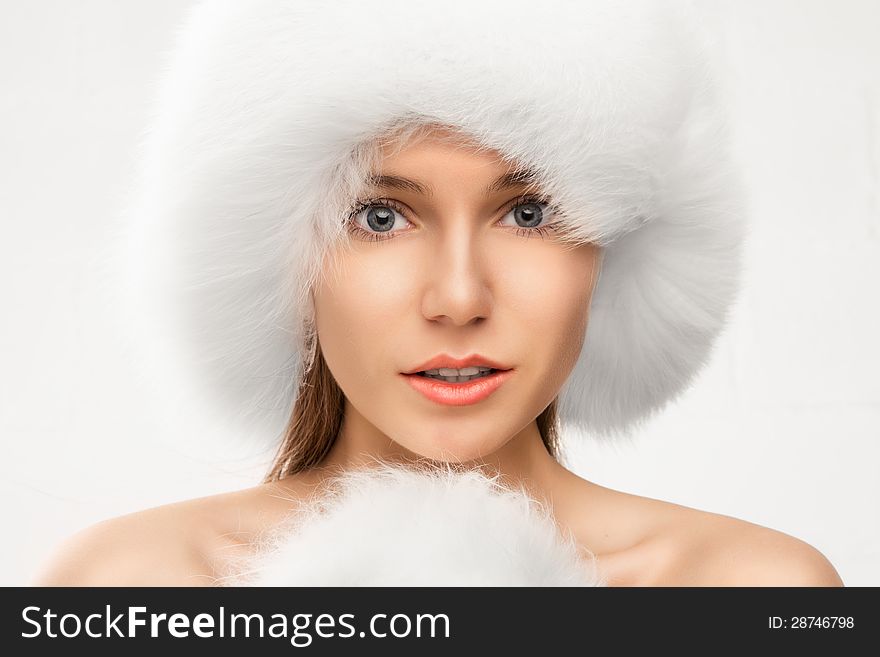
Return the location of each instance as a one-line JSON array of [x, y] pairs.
[[396, 526]]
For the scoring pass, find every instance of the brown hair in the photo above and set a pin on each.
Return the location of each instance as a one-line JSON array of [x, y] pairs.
[[317, 416]]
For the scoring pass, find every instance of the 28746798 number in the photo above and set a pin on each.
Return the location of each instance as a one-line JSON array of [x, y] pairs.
[[810, 622]]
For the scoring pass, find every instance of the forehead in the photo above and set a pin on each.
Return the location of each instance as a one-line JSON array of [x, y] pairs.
[[424, 147], [439, 156]]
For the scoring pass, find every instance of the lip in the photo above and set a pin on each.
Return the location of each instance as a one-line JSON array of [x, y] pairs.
[[445, 360], [458, 394]]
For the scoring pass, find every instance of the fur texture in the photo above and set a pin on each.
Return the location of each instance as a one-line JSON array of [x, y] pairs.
[[256, 150], [393, 525]]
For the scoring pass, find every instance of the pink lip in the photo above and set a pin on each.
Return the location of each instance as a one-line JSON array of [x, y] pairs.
[[445, 360], [458, 394]]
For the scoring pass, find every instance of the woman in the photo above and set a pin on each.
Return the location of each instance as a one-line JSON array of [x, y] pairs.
[[396, 243]]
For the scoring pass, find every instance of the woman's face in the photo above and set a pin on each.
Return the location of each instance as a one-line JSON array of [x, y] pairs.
[[452, 265]]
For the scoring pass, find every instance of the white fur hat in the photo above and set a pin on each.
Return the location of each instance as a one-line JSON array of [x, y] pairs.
[[253, 156]]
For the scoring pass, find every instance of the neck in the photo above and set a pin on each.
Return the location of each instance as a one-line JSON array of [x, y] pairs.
[[521, 461]]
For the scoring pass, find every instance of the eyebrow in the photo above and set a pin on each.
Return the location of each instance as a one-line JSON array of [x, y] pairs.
[[510, 179]]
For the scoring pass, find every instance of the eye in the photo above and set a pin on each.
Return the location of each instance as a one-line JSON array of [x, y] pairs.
[[377, 220], [381, 219], [530, 215]]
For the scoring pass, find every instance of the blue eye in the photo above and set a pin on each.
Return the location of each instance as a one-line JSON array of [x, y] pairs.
[[530, 216], [376, 220], [381, 219]]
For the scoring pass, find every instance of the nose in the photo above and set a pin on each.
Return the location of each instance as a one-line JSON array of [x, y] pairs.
[[457, 288]]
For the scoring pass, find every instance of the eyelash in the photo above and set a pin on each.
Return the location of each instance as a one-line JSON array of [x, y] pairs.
[[369, 236]]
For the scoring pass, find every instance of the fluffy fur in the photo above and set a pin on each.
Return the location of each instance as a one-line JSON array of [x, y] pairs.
[[393, 525], [257, 149]]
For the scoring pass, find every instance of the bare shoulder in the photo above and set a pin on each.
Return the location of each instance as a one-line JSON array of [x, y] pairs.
[[153, 547], [649, 542], [186, 543], [717, 550]]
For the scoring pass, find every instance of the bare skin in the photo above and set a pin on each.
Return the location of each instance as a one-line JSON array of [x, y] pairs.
[[495, 290], [638, 542]]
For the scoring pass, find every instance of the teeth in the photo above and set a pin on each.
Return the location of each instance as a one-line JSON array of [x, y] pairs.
[[452, 375], [466, 371]]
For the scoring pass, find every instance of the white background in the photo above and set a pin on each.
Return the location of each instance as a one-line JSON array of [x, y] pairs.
[[782, 429]]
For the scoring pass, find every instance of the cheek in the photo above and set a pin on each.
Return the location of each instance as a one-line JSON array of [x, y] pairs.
[[550, 293], [352, 310]]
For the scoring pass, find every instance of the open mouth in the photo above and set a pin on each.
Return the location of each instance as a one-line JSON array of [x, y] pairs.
[[461, 388]]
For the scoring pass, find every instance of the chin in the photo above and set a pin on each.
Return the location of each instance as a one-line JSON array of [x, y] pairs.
[[447, 451]]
